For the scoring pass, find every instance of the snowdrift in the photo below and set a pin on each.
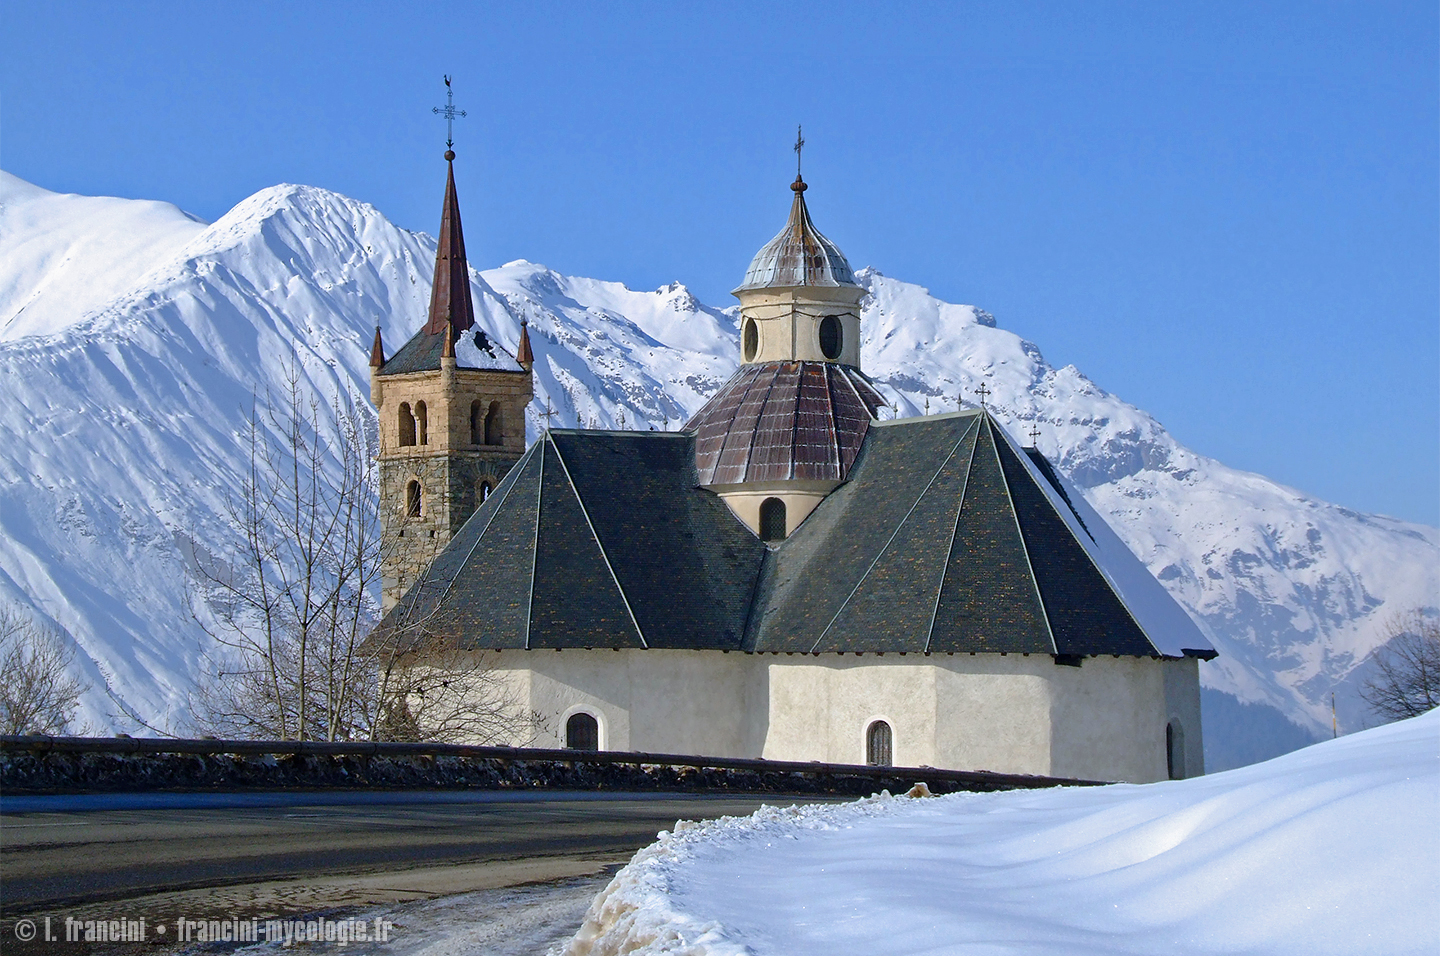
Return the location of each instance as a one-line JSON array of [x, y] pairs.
[[1331, 849]]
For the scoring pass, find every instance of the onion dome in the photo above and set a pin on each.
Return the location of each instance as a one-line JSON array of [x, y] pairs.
[[799, 255], [784, 421]]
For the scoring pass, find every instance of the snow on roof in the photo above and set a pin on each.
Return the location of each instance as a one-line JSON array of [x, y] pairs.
[[475, 349], [1159, 615]]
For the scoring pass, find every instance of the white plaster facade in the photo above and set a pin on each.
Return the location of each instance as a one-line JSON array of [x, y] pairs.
[[1010, 713]]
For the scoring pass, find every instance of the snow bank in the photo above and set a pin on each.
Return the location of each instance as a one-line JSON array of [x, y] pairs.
[[1331, 849]]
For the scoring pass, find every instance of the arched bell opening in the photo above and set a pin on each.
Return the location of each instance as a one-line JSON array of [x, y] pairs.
[[406, 424], [493, 425]]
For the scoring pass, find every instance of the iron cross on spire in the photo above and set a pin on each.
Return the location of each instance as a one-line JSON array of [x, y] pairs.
[[799, 145], [983, 392], [449, 112], [1034, 435]]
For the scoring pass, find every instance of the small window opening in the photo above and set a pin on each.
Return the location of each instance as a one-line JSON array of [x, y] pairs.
[[477, 418], [413, 499], [582, 732], [1175, 750], [407, 425], [422, 423], [879, 745], [485, 489], [751, 340], [493, 421], [772, 520], [831, 337]]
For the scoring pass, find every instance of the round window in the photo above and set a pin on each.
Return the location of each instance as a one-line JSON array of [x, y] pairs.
[[831, 339], [752, 340]]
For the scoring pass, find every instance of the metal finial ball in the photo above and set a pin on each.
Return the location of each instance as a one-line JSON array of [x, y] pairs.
[[449, 155], [799, 185]]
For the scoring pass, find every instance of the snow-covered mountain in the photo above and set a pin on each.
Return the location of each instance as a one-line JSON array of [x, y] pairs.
[[133, 337]]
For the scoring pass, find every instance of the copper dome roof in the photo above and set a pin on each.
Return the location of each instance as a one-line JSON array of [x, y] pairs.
[[784, 421], [799, 255]]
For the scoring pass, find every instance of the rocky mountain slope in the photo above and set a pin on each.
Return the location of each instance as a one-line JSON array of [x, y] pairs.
[[133, 338]]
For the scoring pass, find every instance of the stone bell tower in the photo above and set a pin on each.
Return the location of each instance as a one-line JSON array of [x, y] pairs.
[[452, 404], [784, 431]]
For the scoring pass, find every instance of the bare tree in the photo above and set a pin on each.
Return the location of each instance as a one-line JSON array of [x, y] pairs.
[[1406, 677], [428, 687], [293, 609], [38, 693]]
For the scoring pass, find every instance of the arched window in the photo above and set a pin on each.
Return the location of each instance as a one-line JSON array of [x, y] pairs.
[[477, 423], [582, 732], [1175, 750], [422, 423], [485, 489], [751, 340], [413, 499], [492, 425], [772, 520], [407, 425], [879, 745], [831, 338]]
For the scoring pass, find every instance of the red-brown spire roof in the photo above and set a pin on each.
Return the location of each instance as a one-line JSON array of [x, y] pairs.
[[377, 351], [450, 305], [523, 355]]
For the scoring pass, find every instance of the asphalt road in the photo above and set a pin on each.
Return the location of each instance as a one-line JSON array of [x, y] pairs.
[[63, 854]]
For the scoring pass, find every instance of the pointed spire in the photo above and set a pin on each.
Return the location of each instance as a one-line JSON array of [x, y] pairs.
[[377, 351], [450, 305], [523, 355]]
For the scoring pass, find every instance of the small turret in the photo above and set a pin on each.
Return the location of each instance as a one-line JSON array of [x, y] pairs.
[[523, 355]]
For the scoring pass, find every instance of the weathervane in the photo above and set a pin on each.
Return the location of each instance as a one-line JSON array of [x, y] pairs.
[[449, 112], [799, 145], [983, 392]]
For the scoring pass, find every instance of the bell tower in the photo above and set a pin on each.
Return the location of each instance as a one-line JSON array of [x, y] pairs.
[[452, 405]]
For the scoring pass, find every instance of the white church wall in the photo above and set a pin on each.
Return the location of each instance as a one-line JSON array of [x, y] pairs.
[[656, 701], [1182, 705], [994, 712], [1108, 720], [1104, 720], [820, 707]]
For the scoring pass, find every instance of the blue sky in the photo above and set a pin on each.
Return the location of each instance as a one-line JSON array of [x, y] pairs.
[[1226, 214]]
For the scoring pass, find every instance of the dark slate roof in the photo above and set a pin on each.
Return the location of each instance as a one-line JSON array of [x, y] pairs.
[[595, 539], [947, 537], [784, 420]]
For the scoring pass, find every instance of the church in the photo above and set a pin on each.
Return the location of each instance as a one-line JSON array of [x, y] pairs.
[[788, 576]]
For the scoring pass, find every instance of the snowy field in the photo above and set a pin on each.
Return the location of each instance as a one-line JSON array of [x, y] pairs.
[[1331, 849]]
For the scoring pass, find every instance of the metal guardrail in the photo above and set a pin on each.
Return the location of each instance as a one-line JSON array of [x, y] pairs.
[[978, 779]]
